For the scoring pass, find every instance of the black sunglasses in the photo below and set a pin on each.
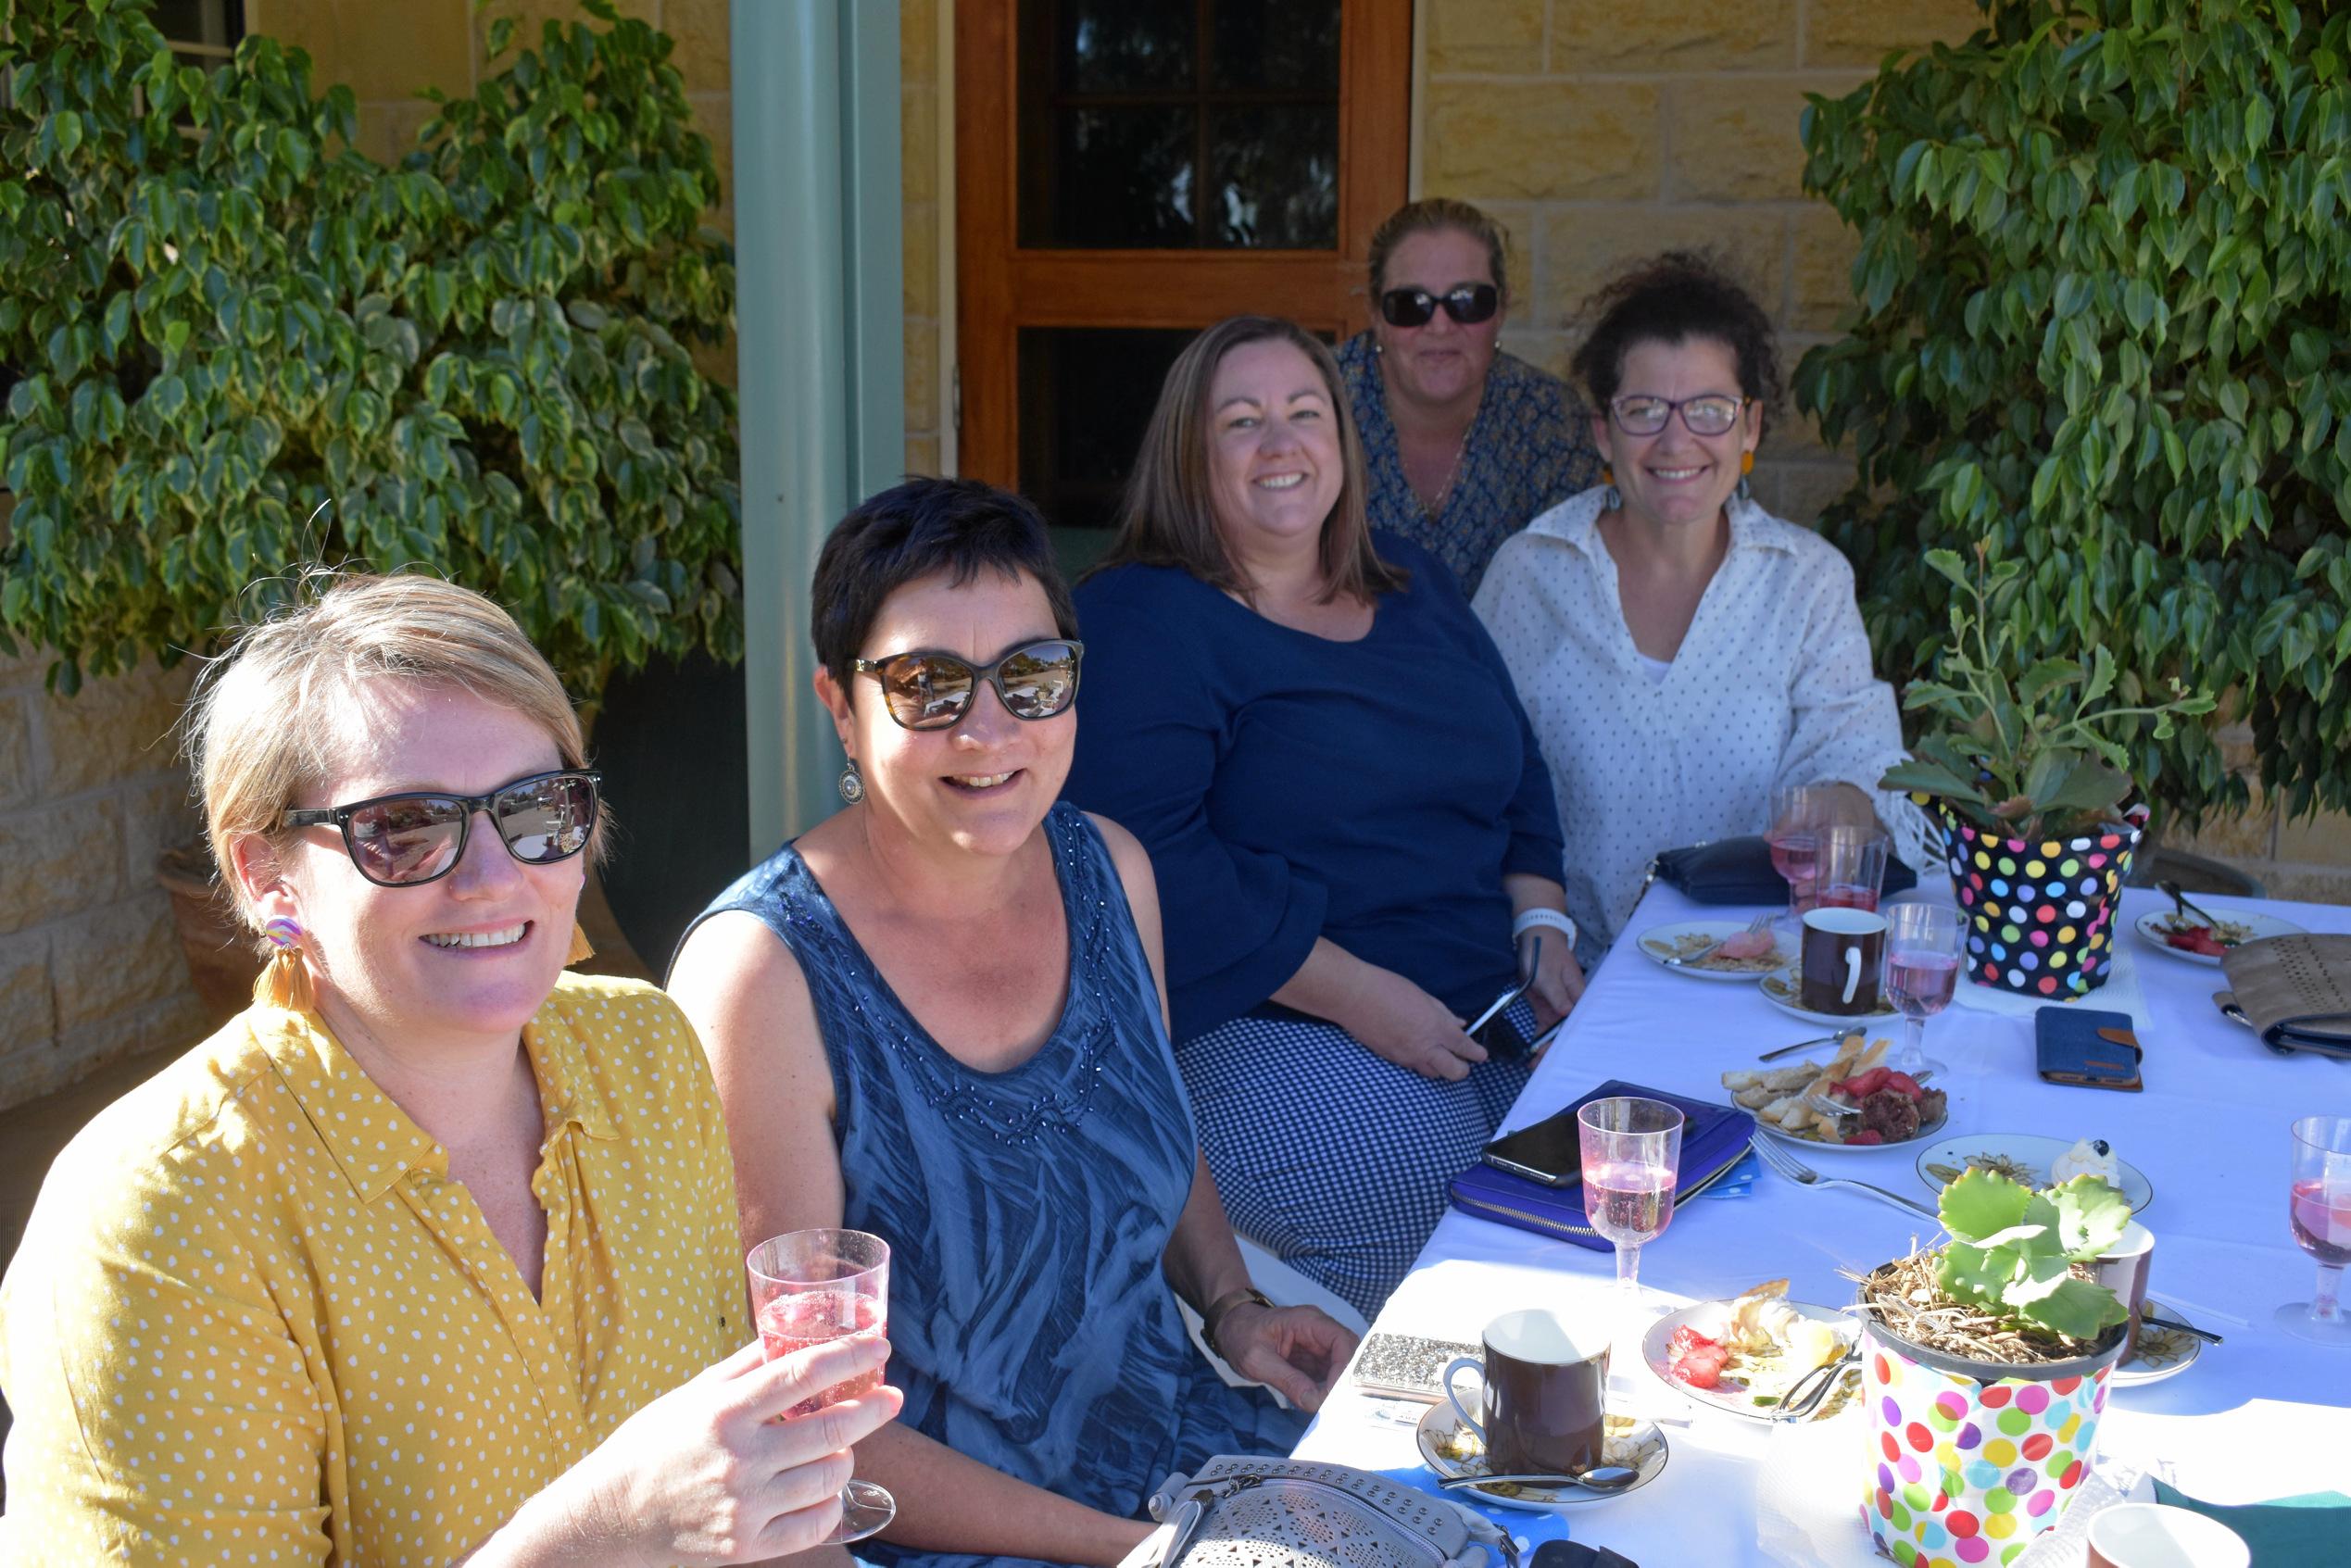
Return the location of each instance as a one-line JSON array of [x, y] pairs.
[[926, 690], [403, 840], [1467, 303]]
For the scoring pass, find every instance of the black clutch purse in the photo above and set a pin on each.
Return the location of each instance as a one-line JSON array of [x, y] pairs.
[[1739, 871]]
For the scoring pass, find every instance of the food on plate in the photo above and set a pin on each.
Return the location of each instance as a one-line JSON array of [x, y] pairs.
[[2194, 936], [1747, 952], [2089, 1157], [1758, 1347], [1855, 1099]]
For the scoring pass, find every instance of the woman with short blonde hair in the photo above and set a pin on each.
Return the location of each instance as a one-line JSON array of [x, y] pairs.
[[430, 1254]]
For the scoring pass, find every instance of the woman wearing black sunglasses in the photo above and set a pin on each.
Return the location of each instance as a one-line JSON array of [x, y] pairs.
[[432, 1252], [1463, 443], [937, 1016]]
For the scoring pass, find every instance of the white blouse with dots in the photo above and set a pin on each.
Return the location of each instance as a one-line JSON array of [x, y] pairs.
[[1772, 685]]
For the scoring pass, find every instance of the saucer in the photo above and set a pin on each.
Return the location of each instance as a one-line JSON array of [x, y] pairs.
[[2160, 1353], [1451, 1449], [2023, 1154], [1781, 988]]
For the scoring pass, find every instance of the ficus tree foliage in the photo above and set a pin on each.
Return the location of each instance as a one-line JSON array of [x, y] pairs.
[[2102, 280], [220, 314]]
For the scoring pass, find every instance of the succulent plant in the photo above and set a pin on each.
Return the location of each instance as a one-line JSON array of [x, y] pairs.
[[2012, 1250]]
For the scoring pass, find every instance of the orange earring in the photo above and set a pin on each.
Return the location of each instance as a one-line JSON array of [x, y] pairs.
[[1746, 462], [582, 948]]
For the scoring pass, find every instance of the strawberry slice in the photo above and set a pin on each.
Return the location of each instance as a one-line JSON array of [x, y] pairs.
[[1867, 1136], [2197, 939], [1903, 1083], [1687, 1339], [1868, 1084]]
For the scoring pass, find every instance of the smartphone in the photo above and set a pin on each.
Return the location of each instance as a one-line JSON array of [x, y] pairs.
[[1501, 1004], [1549, 1151]]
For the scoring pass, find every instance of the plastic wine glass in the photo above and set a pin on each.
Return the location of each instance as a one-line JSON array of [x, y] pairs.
[[1923, 946], [1798, 813], [812, 1286], [2320, 1209], [1631, 1155]]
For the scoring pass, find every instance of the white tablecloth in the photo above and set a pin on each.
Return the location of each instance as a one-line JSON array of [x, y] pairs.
[[2259, 1417]]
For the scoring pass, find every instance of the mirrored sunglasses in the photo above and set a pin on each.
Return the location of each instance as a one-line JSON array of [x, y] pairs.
[[932, 691], [402, 840], [1712, 414], [1468, 304]]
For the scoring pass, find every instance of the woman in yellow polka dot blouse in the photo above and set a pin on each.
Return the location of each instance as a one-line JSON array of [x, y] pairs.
[[429, 1256]]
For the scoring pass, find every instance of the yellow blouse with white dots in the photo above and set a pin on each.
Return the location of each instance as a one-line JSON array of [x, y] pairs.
[[254, 1321]]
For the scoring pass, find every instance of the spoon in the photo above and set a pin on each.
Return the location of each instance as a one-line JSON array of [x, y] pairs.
[[2186, 908], [2176, 1326], [1599, 1478], [1838, 1039]]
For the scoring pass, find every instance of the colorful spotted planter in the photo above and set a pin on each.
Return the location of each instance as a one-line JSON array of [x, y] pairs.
[[2040, 912], [1969, 1461]]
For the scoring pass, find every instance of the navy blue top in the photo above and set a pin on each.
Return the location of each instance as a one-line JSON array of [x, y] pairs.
[[1527, 449], [1288, 787], [1028, 1211]]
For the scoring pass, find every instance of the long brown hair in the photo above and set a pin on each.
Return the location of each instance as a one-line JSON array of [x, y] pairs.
[[1169, 516]]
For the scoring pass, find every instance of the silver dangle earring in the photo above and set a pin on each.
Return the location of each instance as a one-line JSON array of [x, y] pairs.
[[852, 784], [1610, 501], [1746, 490]]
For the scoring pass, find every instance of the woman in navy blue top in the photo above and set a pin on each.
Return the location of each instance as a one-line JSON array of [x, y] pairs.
[[1349, 818], [935, 1016]]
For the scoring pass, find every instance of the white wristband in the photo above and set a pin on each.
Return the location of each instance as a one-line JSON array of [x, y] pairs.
[[1529, 918]]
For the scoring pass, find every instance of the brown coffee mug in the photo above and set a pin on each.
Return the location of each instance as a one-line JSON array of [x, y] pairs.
[[1843, 952], [2153, 1535], [1545, 1394], [2124, 1271]]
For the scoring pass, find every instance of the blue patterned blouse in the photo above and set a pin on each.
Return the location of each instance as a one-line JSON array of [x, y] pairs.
[[1026, 1211], [1528, 449]]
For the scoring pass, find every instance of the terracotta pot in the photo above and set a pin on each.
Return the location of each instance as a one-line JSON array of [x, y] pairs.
[[1971, 1460], [2040, 913], [221, 961]]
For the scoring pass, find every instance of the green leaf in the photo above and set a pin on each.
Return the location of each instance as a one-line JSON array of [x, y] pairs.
[[2079, 1309], [1980, 1204], [2091, 1217]]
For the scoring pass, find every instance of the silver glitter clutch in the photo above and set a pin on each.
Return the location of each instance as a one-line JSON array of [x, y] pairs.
[[1243, 1513]]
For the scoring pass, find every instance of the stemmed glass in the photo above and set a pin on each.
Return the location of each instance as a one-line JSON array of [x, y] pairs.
[[813, 1285], [1923, 943], [2320, 1209], [1632, 1153]]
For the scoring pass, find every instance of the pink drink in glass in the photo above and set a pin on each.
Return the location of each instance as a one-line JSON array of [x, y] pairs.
[[1628, 1202], [1796, 857], [1847, 896], [795, 1322], [2322, 1229], [1921, 984]]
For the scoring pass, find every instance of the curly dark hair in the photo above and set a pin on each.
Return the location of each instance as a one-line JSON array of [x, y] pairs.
[[1672, 298]]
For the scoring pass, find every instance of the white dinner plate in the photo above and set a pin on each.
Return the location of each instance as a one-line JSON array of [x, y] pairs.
[[2160, 1353], [2152, 926], [1449, 1449], [1779, 988], [1733, 1395], [1658, 943], [2023, 1150]]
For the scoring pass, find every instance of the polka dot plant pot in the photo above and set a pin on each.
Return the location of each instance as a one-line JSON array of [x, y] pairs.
[[1970, 1468], [2040, 912]]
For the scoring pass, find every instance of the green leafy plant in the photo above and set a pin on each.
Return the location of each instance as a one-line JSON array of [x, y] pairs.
[[2100, 294], [2039, 755], [219, 316], [2012, 1250]]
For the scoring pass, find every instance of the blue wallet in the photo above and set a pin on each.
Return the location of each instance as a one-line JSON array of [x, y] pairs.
[[2094, 1050]]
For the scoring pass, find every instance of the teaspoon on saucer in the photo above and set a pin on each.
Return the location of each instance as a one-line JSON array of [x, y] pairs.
[[1600, 1479]]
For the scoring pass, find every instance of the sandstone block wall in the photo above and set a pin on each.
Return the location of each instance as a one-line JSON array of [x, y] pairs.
[[90, 792]]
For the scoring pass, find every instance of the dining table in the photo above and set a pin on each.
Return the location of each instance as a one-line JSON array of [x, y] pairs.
[[2261, 1415]]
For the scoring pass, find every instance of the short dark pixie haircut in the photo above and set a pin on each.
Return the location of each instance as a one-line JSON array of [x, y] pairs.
[[916, 530], [1672, 298]]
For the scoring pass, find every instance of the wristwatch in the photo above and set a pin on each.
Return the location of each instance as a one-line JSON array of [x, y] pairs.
[[1529, 918], [1219, 1310]]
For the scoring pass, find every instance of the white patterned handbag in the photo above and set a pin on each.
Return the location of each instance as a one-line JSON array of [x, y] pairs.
[[1245, 1512]]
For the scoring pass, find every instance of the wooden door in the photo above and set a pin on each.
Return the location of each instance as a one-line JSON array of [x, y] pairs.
[[1129, 171]]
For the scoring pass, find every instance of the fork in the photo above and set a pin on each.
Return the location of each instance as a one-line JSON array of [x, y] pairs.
[[1807, 1393], [1761, 923], [1776, 1155]]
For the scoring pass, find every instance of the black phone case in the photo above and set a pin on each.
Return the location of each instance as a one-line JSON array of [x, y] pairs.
[[2093, 1050]]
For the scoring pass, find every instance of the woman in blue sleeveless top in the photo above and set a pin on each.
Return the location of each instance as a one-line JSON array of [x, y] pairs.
[[938, 1016]]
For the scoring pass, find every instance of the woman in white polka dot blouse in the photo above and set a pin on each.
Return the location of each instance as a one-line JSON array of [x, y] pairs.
[[1682, 652], [430, 1254]]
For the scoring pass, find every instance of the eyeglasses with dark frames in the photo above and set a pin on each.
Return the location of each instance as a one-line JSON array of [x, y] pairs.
[[1710, 413], [418, 836], [1467, 303], [925, 689]]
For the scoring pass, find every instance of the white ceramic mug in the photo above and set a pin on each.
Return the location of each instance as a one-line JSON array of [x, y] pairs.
[[2123, 1269], [2153, 1535]]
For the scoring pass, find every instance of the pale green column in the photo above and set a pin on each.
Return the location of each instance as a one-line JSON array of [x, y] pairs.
[[819, 350]]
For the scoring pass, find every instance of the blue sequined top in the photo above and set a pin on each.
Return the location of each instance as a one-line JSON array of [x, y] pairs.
[[1026, 1211], [1528, 449]]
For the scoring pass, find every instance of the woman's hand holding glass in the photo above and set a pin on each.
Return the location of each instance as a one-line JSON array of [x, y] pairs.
[[716, 1471], [1297, 1352]]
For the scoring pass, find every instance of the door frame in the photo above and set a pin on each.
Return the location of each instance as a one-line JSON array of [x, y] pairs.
[[1000, 287]]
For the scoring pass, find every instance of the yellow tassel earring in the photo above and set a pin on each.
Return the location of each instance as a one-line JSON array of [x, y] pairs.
[[284, 981], [582, 948]]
